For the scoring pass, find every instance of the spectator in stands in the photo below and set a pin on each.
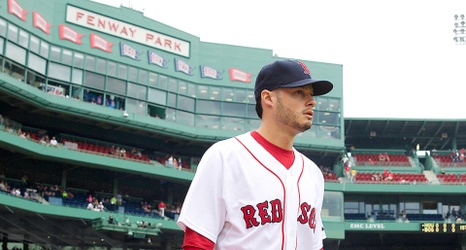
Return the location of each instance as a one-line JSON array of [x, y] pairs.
[[162, 209], [110, 219], [136, 152], [4, 186], [385, 174], [53, 142], [147, 207], [112, 150], [459, 215], [122, 152], [404, 218], [391, 176], [90, 206], [453, 213], [461, 157], [353, 175]]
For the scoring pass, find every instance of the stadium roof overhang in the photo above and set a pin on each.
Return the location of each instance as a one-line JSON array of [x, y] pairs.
[[430, 134]]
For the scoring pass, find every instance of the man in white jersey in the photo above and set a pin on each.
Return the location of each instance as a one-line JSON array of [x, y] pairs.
[[255, 191]]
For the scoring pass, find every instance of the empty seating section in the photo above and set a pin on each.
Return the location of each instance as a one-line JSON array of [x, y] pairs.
[[398, 178], [373, 160]]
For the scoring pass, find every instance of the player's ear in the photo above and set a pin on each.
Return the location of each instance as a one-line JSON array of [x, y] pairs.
[[267, 97]]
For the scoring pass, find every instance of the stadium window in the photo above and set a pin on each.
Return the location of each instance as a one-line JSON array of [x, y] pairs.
[[240, 95], [12, 33], [191, 90], [23, 38], [93, 96], [142, 76], [58, 88], [232, 124], [234, 109], [153, 77], [170, 114], [15, 70], [101, 66], [133, 74], [2, 42], [185, 103], [116, 86], [34, 44], [207, 121], [44, 49], [15, 53], [35, 79], [185, 118], [58, 71], [215, 93], [334, 104], [90, 63], [94, 80], [183, 87], [228, 95], [137, 91], [172, 85], [207, 107], [157, 96], [112, 68], [156, 111], [76, 92], [55, 53], [78, 60], [77, 76], [36, 63], [67, 57], [253, 124], [163, 82], [203, 91], [2, 27], [122, 71], [171, 101], [251, 110]]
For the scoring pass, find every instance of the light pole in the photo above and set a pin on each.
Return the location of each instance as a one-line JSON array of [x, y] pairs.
[[460, 28]]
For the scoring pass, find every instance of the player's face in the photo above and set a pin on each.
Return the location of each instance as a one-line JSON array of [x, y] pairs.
[[295, 107]]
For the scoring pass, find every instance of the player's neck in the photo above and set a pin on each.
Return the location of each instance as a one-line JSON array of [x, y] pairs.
[[276, 137]]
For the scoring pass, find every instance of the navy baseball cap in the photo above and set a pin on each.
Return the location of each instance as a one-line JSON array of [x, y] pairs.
[[286, 73]]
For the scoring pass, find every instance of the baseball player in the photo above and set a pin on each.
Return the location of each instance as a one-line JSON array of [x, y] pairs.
[[255, 191]]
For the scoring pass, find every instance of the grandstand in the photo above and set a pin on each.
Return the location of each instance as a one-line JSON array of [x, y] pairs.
[[68, 72]]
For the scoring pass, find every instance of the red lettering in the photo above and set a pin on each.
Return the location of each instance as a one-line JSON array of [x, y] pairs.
[[308, 216], [149, 37], [123, 30], [113, 26], [101, 23], [248, 216], [177, 46], [158, 41], [277, 211], [168, 43], [265, 218], [79, 15], [132, 32], [90, 20], [304, 210]]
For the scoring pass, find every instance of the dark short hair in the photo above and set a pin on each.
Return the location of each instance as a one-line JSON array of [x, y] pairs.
[[259, 109]]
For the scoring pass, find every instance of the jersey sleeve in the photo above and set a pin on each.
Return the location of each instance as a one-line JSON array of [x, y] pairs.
[[203, 209]]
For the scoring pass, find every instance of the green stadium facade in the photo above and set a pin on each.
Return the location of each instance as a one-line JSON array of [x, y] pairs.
[[99, 78]]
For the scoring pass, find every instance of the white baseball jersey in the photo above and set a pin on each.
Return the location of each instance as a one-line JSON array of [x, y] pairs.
[[243, 198]]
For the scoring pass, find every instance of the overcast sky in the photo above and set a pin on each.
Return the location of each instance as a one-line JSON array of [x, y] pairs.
[[399, 57]]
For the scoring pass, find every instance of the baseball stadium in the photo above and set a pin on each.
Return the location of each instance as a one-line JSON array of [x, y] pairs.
[[105, 115]]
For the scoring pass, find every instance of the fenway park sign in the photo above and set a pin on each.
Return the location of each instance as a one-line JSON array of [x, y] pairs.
[[127, 31]]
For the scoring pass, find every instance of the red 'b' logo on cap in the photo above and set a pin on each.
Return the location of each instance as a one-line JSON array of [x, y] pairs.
[[306, 70]]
